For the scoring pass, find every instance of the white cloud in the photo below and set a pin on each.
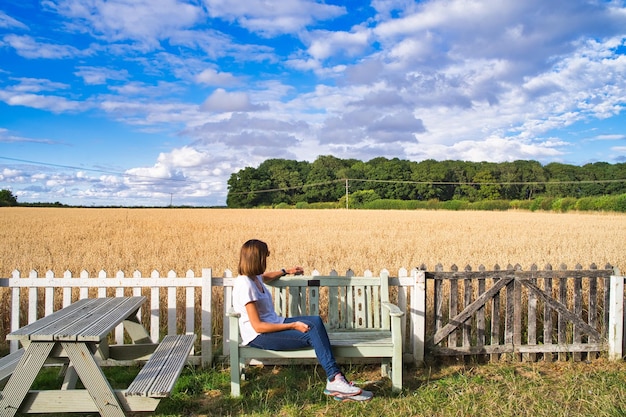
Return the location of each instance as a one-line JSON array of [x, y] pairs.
[[29, 47], [221, 101], [492, 149], [273, 18], [620, 136], [7, 137], [7, 22], [9, 174], [54, 104], [98, 75], [146, 21], [325, 44], [215, 78], [184, 157]]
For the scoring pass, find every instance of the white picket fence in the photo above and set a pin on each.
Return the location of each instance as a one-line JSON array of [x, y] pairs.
[[164, 293], [47, 285], [185, 304]]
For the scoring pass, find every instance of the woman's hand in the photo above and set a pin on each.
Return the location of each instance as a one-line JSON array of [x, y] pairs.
[[296, 270], [300, 326], [260, 326], [272, 275]]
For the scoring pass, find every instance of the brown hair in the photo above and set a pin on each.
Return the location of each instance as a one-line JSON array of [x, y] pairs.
[[253, 257]]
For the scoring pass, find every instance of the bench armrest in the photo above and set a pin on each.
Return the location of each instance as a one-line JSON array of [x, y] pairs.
[[233, 330], [394, 310]]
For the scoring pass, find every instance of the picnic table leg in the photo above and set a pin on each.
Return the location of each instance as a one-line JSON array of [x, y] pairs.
[[93, 379], [136, 331], [70, 377], [23, 377]]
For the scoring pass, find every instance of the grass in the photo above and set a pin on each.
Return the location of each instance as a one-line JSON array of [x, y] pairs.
[[498, 390], [559, 389]]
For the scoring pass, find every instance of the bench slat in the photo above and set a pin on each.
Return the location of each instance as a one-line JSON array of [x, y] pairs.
[[8, 363], [158, 376]]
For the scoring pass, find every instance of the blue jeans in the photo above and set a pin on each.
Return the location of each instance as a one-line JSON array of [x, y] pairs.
[[295, 339]]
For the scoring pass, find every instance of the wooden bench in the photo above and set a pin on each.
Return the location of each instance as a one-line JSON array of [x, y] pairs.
[[8, 364], [360, 320], [159, 374]]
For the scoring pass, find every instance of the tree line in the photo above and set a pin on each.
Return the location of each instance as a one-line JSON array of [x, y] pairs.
[[281, 181]]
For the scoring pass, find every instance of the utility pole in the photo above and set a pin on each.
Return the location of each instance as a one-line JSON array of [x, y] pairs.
[[347, 194]]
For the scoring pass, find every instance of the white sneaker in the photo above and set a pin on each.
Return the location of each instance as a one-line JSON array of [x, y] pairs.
[[339, 386]]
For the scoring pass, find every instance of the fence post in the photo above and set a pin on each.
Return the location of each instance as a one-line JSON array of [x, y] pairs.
[[418, 319], [206, 320], [15, 309], [616, 317]]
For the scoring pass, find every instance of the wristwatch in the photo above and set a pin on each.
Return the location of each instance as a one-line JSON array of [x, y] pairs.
[[284, 271]]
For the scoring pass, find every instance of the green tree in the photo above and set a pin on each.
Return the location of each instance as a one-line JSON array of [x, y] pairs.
[[531, 173], [437, 172], [617, 174], [7, 198], [245, 188], [488, 188], [562, 180], [287, 178], [323, 182], [392, 178]]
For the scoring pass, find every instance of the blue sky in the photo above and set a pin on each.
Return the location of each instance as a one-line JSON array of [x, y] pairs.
[[147, 102]]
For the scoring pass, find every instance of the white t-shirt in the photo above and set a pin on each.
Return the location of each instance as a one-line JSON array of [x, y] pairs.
[[244, 292]]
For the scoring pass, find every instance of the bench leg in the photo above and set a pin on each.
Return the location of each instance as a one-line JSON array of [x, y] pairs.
[[235, 373], [93, 379], [396, 372], [23, 377], [70, 377], [235, 362], [385, 370]]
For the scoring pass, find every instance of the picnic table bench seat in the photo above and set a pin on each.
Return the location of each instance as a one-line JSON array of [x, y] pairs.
[[360, 320], [159, 374], [8, 364]]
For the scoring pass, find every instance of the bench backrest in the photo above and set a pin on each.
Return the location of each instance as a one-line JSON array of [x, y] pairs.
[[344, 302]]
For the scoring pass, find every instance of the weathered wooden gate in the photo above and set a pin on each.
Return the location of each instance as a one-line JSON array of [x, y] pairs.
[[528, 315]]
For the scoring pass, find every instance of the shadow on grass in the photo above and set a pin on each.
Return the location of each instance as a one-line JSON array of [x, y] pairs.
[[272, 391]]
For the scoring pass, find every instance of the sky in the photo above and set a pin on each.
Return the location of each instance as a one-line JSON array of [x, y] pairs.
[[159, 102]]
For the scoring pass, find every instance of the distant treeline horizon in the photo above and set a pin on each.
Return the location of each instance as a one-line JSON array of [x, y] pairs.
[[330, 179]]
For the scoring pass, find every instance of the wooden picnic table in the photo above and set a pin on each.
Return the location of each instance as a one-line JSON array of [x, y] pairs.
[[77, 335]]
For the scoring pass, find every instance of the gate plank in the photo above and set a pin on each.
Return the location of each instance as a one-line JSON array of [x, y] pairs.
[[563, 311], [471, 309]]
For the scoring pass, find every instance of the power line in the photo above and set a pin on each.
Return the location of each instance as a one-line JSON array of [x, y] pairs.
[[102, 171], [490, 183]]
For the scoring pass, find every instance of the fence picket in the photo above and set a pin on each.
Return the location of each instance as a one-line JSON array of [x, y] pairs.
[[480, 314], [532, 319], [495, 316], [562, 323], [547, 314], [467, 300], [453, 305]]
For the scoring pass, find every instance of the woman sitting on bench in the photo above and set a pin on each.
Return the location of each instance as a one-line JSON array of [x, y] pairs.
[[262, 328]]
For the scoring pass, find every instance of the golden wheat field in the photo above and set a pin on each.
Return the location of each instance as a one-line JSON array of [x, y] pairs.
[[90, 239]]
